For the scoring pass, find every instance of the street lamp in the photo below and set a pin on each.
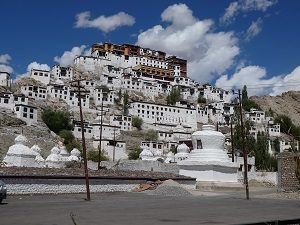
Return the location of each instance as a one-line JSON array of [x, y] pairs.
[[243, 145]]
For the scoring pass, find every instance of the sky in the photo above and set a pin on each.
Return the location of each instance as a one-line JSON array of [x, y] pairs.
[[228, 43]]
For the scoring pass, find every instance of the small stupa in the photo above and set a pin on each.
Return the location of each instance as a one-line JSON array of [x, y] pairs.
[[39, 160], [63, 151], [208, 162], [55, 160], [75, 155], [19, 154], [182, 152], [146, 154]]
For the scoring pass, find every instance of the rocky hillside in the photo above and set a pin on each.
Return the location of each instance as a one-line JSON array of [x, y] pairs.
[[287, 104], [38, 134]]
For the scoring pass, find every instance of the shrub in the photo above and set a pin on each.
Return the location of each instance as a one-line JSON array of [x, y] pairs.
[[137, 122], [151, 135], [94, 156], [134, 154], [69, 140], [56, 120]]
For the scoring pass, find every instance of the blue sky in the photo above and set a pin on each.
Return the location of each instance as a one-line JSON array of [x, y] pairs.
[[228, 43]]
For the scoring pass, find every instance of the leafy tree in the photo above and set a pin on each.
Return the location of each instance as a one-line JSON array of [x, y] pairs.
[[125, 103], [69, 140], [174, 96], [134, 154], [201, 99], [245, 93], [94, 156], [103, 87], [151, 135], [276, 144], [270, 113], [56, 120], [137, 122], [246, 102]]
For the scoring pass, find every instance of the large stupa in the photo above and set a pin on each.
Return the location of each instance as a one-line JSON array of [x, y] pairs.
[[208, 162]]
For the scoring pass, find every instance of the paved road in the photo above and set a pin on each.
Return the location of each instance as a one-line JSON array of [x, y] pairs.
[[143, 209]]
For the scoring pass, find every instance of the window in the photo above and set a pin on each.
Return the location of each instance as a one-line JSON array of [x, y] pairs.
[[25, 115], [31, 116]]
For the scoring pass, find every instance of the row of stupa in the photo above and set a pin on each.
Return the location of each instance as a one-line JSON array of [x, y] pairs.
[[208, 162], [20, 155]]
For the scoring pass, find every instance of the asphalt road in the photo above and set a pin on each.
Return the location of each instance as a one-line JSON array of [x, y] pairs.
[[143, 209]]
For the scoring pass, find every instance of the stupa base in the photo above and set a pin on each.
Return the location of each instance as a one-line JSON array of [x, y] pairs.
[[218, 186]]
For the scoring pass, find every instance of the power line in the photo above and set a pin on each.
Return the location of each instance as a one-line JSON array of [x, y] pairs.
[[259, 86]]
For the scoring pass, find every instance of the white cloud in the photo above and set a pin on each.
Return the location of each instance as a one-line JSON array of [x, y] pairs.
[[208, 53], [290, 82], [68, 57], [6, 68], [37, 66], [4, 61], [254, 29], [103, 23], [5, 58], [236, 7], [255, 77], [33, 65]]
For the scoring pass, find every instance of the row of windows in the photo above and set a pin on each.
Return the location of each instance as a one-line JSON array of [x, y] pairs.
[[162, 109], [25, 115], [41, 74]]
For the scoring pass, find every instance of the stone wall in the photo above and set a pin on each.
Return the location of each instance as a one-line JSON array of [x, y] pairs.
[[264, 177], [287, 180], [142, 165]]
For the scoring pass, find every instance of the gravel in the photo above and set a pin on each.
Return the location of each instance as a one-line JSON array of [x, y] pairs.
[[170, 188]]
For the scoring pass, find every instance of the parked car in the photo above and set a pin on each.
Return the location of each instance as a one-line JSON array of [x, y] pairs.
[[2, 191]]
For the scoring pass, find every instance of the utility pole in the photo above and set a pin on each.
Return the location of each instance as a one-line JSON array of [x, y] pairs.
[[80, 94], [100, 136], [114, 149], [244, 148], [231, 134]]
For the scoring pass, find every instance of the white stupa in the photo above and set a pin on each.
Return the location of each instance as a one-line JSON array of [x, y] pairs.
[[170, 157], [208, 162], [39, 160], [63, 151], [19, 154], [182, 152], [146, 155], [75, 155], [55, 160]]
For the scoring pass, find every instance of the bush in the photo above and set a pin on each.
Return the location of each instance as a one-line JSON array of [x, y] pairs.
[[134, 154], [69, 140], [174, 96], [137, 122], [151, 135], [94, 156], [56, 120]]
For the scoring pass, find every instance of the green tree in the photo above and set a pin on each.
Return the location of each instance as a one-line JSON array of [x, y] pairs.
[[201, 99], [151, 135], [125, 103], [245, 93], [137, 122], [56, 120], [174, 96], [134, 154], [69, 140], [94, 156], [248, 103]]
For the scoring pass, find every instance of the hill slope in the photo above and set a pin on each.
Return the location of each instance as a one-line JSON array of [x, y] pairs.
[[286, 104]]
